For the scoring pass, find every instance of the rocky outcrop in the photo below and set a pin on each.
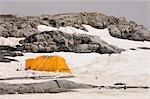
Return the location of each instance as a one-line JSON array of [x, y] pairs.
[[11, 25], [129, 30], [54, 86], [51, 41]]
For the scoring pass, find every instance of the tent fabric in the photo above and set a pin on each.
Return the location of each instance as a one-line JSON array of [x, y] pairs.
[[48, 63]]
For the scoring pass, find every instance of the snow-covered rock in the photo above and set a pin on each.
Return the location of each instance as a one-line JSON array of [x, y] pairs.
[[103, 34], [122, 43]]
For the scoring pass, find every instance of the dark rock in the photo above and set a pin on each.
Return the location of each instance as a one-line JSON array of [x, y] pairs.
[[145, 48], [120, 84], [3, 59], [132, 49], [51, 41], [5, 47], [10, 53]]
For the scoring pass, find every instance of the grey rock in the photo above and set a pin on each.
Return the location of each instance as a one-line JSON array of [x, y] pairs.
[[15, 26], [3, 31], [11, 53], [54, 86], [86, 48], [114, 31], [18, 26], [1, 56], [50, 41]]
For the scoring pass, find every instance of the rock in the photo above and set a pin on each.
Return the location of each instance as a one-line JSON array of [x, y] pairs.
[[141, 33], [120, 84], [1, 56], [18, 26], [3, 31], [51, 41], [53, 86], [145, 48], [11, 53], [15, 26], [8, 51], [114, 31], [3, 59], [86, 48], [132, 49]]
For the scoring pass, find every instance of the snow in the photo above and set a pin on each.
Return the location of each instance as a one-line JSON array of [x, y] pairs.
[[130, 67], [11, 41], [86, 94], [43, 28]]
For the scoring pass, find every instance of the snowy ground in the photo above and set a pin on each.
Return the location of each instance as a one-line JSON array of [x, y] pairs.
[[87, 94], [131, 67]]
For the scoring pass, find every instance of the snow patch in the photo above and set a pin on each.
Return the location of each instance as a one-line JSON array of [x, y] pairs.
[[11, 41], [43, 28]]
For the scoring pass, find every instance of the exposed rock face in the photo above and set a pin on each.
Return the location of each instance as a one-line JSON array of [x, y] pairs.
[[51, 41], [54, 86], [11, 25]]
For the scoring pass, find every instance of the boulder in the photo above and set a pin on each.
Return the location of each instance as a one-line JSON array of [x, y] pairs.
[[51, 41]]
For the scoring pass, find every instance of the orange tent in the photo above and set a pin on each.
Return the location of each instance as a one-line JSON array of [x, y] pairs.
[[48, 63]]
